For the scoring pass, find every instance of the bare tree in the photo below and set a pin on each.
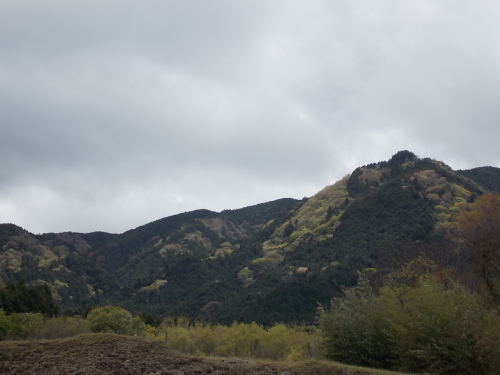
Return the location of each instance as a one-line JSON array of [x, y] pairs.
[[478, 234]]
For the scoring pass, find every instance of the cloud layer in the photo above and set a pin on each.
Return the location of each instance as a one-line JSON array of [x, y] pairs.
[[117, 113]]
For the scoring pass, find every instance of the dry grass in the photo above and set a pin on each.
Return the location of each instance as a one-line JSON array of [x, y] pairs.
[[120, 355]]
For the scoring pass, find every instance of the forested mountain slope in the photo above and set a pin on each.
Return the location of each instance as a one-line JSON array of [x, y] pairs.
[[487, 177], [270, 262]]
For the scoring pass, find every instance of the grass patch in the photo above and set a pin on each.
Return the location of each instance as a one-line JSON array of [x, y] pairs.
[[117, 354]]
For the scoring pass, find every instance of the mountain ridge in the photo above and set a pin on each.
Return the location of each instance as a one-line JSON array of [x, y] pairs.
[[270, 262]]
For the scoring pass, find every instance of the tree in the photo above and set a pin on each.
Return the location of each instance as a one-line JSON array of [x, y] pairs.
[[6, 325], [478, 233], [114, 319], [19, 298], [422, 325], [354, 330]]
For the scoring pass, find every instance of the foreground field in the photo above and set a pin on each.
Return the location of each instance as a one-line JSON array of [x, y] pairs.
[[121, 355]]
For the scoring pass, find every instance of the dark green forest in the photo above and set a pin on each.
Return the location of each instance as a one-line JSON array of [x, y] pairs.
[[395, 266], [273, 262], [19, 298]]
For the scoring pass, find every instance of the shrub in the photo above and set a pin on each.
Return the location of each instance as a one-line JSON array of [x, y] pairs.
[[114, 319], [27, 325], [354, 329], [7, 325], [431, 327], [63, 327], [243, 340], [276, 342]]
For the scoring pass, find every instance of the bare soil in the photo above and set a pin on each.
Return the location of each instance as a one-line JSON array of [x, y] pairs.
[[121, 355]]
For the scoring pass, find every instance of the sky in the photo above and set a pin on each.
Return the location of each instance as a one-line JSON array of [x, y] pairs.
[[117, 113]]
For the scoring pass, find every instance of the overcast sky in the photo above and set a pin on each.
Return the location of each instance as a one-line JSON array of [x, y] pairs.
[[117, 113]]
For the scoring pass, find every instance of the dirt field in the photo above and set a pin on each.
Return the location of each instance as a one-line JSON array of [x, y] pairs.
[[120, 355]]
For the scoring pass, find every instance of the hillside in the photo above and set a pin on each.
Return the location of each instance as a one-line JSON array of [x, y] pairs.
[[487, 177], [114, 354], [267, 263]]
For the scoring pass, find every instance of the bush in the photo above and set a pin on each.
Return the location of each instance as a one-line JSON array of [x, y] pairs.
[[7, 325], [242, 340], [276, 343], [114, 319], [431, 327], [28, 325], [63, 327], [191, 339], [354, 329]]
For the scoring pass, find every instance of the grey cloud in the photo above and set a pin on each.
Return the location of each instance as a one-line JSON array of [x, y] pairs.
[[116, 113]]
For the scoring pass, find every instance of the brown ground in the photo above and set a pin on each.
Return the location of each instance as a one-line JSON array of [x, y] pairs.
[[120, 355]]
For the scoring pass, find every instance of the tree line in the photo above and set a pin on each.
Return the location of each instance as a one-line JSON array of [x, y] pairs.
[[425, 317]]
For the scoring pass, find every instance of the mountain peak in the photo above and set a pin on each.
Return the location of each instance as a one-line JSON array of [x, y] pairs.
[[270, 262], [403, 157]]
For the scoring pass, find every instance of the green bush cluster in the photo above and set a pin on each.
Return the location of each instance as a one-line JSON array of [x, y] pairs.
[[21, 298], [431, 326], [280, 342], [31, 326], [34, 326], [114, 319]]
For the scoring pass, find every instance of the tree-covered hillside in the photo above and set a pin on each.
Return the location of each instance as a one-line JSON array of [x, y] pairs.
[[487, 177], [267, 263]]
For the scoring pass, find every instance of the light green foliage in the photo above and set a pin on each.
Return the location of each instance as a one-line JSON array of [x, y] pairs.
[[279, 342], [47, 256], [431, 326], [63, 327], [8, 326], [244, 339], [226, 249], [46, 262], [276, 344], [299, 233], [197, 339], [269, 261], [25, 325], [114, 319], [174, 248], [12, 259], [430, 320], [371, 177], [157, 284], [426, 179], [197, 236], [450, 198], [316, 217], [315, 211], [305, 343], [274, 244], [434, 197], [61, 251], [224, 228], [205, 339], [28, 326], [178, 338], [59, 284], [246, 277], [91, 290]]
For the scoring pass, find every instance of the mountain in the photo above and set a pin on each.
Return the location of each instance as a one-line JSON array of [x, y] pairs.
[[267, 263], [487, 177]]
